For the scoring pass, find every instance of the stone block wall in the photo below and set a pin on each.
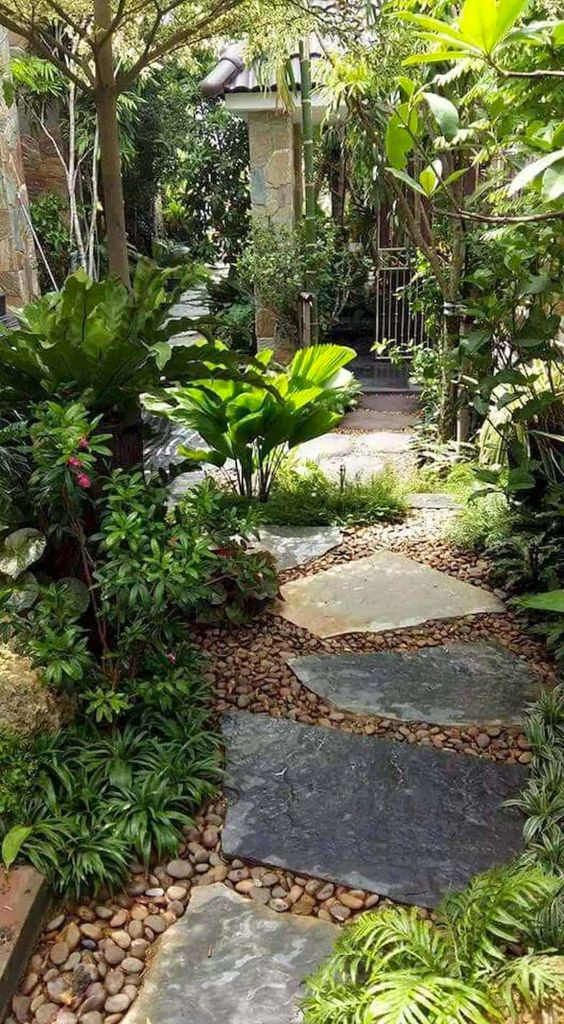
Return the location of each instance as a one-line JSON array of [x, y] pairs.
[[18, 272]]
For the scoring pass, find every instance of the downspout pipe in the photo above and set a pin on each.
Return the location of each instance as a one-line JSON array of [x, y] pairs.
[[230, 65]]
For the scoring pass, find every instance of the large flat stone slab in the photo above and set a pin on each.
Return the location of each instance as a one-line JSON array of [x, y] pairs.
[[296, 545], [381, 592], [231, 961], [408, 822], [458, 684]]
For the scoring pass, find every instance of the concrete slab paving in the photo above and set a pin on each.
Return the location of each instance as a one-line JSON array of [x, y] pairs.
[[381, 592], [408, 822], [296, 545], [458, 684], [232, 961]]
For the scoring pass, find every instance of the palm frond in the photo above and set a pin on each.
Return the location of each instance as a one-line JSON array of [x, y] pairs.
[[413, 997], [534, 980], [497, 909]]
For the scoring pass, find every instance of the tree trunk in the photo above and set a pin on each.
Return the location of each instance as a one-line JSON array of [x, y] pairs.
[[309, 186], [105, 97], [451, 335]]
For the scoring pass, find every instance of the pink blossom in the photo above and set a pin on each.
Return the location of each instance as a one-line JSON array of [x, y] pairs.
[[83, 444], [83, 480], [74, 461], [171, 656]]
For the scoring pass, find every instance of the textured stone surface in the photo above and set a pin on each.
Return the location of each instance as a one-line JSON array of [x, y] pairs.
[[231, 960], [436, 499], [381, 592], [459, 684], [295, 545], [407, 822], [24, 901]]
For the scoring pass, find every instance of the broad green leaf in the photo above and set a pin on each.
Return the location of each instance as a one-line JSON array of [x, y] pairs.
[[431, 24], [430, 177], [435, 57], [162, 352], [552, 601], [76, 593], [400, 135], [13, 842], [20, 550], [445, 114], [407, 180], [533, 170], [553, 181], [485, 22], [24, 591], [408, 85]]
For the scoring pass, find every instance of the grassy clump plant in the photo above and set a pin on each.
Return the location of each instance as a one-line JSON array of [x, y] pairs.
[[305, 496]]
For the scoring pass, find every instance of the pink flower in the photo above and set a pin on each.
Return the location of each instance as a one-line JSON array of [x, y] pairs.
[[171, 656], [83, 444], [74, 461], [83, 480]]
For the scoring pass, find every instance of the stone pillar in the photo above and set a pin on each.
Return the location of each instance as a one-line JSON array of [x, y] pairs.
[[273, 196], [18, 271]]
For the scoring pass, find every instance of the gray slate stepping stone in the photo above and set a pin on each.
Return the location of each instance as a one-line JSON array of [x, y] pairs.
[[408, 822], [232, 961], [295, 545], [381, 592], [459, 684]]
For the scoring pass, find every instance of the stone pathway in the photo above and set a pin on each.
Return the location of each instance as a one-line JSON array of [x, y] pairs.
[[403, 821], [296, 545], [233, 961], [332, 809], [383, 591], [459, 684]]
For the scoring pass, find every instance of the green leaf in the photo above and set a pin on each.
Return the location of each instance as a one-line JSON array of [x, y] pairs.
[[445, 114], [430, 177], [552, 601], [486, 22], [8, 91], [400, 135], [162, 352], [20, 550], [533, 170], [402, 176], [13, 842], [435, 57], [553, 181]]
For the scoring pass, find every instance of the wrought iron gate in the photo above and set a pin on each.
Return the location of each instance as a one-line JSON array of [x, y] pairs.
[[396, 320]]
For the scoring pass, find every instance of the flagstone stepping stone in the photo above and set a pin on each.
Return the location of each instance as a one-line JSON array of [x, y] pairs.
[[438, 500], [295, 545], [459, 684], [231, 960], [381, 592], [408, 822]]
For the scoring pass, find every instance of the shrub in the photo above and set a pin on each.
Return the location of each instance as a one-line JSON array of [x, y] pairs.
[[481, 521], [255, 424], [480, 961]]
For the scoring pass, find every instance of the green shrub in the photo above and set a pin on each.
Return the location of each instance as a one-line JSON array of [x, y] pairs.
[[481, 521], [254, 424], [482, 960]]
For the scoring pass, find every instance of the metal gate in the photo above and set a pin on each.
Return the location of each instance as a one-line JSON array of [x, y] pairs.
[[396, 320]]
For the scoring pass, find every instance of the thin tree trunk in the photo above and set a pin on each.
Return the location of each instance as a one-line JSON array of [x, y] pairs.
[[72, 175], [309, 186], [451, 336], [105, 97], [94, 208]]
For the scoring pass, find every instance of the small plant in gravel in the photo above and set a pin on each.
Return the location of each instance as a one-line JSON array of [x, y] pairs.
[[481, 960], [305, 496]]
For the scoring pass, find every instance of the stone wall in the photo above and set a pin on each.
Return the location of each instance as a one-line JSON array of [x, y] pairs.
[[18, 272], [275, 153]]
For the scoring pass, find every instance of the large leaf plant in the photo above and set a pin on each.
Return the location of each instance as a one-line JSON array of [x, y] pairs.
[[254, 424], [103, 344]]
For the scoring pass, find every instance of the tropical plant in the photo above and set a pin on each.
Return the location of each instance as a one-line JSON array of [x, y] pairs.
[[479, 961], [254, 425]]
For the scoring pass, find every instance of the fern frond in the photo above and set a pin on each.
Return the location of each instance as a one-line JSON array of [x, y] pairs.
[[398, 938], [534, 980], [497, 909], [415, 997]]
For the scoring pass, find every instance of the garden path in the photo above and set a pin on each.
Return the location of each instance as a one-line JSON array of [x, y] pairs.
[[327, 813], [362, 768]]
